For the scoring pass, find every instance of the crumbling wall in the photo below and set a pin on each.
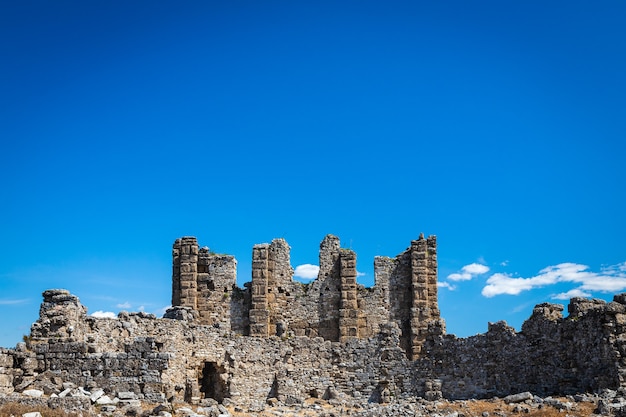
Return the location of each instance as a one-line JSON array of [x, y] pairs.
[[6, 371], [552, 355], [326, 338], [179, 360], [216, 281]]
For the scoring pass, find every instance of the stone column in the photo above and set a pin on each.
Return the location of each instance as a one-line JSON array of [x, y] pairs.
[[419, 287], [425, 307], [259, 312], [185, 272], [431, 260], [279, 280], [329, 285], [349, 308]]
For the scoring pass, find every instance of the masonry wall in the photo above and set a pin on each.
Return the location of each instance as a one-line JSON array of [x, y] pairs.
[[169, 359], [552, 355], [334, 306], [330, 337]]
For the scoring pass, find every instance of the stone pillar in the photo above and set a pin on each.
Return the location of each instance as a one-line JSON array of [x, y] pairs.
[[425, 309], [280, 278], [419, 288], [329, 285], [383, 268], [259, 311], [329, 250], [349, 308], [431, 265], [185, 272]]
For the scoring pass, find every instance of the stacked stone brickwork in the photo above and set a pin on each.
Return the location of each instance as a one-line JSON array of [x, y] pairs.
[[334, 306], [326, 339]]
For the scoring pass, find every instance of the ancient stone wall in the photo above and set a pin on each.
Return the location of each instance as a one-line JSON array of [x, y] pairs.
[[179, 360], [366, 343], [551, 355], [334, 306]]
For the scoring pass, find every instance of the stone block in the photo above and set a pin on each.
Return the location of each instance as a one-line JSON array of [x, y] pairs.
[[6, 384], [35, 393], [518, 398], [106, 400]]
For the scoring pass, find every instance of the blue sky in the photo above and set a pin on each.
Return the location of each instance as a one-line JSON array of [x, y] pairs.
[[500, 127]]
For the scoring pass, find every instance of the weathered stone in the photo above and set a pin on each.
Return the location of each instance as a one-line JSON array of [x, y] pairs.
[[109, 408], [105, 400], [518, 398], [96, 394], [33, 393], [126, 395]]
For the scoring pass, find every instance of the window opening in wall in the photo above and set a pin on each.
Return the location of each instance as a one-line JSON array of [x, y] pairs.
[[213, 382]]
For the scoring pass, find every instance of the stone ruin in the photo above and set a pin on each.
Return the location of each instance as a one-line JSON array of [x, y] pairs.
[[333, 306], [282, 340]]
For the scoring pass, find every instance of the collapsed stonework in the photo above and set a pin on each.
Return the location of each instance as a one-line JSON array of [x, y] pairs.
[[280, 339]]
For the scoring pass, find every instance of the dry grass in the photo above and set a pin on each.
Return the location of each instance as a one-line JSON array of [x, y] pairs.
[[476, 408], [16, 410], [471, 408]]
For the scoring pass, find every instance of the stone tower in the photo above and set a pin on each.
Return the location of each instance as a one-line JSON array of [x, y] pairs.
[[203, 281]]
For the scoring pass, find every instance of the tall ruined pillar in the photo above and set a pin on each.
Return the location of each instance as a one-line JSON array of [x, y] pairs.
[[259, 312], [280, 277], [349, 307], [329, 284], [185, 272], [424, 290], [431, 264], [329, 251]]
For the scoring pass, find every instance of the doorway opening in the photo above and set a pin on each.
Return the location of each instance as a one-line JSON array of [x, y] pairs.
[[214, 382]]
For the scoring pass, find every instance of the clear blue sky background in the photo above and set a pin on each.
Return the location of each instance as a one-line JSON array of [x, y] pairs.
[[498, 126]]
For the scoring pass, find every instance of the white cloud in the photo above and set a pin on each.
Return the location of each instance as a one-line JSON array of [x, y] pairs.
[[504, 284], [358, 274], [125, 305], [609, 279], [468, 272], [104, 314], [306, 271], [6, 302], [442, 284], [570, 294], [476, 269]]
